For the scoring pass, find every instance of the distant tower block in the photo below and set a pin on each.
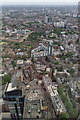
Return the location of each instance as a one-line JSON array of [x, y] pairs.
[[47, 19], [50, 47]]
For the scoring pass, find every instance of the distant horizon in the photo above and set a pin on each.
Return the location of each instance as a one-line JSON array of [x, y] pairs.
[[38, 2], [42, 4]]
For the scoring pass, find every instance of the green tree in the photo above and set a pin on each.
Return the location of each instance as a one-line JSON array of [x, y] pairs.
[[53, 79], [60, 56], [52, 71], [13, 63], [19, 67], [69, 92], [44, 73], [5, 79], [56, 63], [64, 115], [24, 57], [69, 54], [64, 98], [59, 69], [77, 41], [57, 31], [73, 113], [71, 71], [60, 90], [68, 105]]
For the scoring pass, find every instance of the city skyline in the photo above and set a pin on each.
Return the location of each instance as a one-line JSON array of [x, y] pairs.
[[40, 60], [39, 2]]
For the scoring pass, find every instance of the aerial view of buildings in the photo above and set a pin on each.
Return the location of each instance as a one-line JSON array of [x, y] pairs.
[[39, 63]]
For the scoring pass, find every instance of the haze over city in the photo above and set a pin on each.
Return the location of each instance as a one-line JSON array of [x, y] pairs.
[[40, 2], [40, 60]]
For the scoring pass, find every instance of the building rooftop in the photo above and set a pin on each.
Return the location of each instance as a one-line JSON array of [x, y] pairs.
[[20, 62], [10, 88]]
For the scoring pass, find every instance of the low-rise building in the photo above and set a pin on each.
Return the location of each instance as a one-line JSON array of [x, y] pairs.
[[59, 24], [20, 62], [42, 50]]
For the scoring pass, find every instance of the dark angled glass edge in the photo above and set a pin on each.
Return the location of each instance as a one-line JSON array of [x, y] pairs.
[[79, 38], [42, 119]]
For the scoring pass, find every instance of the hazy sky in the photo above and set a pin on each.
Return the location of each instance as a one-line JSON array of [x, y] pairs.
[[39, 1]]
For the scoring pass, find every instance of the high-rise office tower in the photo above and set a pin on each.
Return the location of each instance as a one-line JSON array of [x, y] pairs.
[[50, 47], [15, 101]]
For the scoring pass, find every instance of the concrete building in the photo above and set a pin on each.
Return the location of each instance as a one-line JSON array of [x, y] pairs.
[[40, 67], [59, 24], [42, 50], [51, 90], [47, 19], [21, 32]]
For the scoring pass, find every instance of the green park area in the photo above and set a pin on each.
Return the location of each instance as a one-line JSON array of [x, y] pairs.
[[67, 55], [67, 98]]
